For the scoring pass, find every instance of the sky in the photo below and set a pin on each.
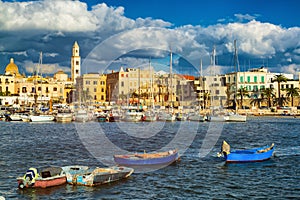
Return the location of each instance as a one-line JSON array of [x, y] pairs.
[[115, 33]]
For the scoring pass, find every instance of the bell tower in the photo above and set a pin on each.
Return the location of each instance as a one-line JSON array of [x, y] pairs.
[[75, 62]]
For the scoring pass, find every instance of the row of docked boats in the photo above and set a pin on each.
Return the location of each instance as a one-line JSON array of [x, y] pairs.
[[86, 176], [130, 115]]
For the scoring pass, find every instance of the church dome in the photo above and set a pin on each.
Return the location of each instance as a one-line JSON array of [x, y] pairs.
[[12, 68]]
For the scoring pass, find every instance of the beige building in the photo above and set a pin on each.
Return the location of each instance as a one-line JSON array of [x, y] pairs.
[[91, 88]]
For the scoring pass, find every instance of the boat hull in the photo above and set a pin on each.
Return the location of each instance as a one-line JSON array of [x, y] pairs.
[[252, 155], [41, 118], [139, 159], [99, 176], [43, 182]]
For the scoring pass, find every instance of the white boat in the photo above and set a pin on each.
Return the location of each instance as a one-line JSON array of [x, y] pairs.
[[81, 116], [218, 118], [41, 118], [64, 117], [133, 115], [235, 117], [150, 116], [25, 117], [169, 117], [196, 117], [15, 117]]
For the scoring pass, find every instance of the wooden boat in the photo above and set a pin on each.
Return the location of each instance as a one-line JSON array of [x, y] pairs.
[[147, 158], [246, 155], [97, 176], [70, 171], [48, 177]]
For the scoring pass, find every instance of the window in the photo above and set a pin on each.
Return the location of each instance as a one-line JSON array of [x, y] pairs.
[[262, 79], [241, 79], [95, 97], [77, 62], [87, 82], [76, 71], [54, 89], [102, 89], [95, 82], [248, 79], [122, 83], [39, 88], [217, 91], [24, 90], [102, 97], [255, 79], [95, 89], [47, 91], [255, 88]]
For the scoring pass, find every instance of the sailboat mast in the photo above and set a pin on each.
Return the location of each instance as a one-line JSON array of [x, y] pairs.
[[235, 74], [151, 84], [171, 81]]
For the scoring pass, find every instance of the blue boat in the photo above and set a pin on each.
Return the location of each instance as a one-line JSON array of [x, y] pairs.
[[246, 155], [160, 158], [97, 176]]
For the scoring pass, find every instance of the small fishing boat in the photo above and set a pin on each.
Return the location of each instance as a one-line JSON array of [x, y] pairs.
[[96, 176], [147, 158], [48, 177], [71, 171], [246, 155]]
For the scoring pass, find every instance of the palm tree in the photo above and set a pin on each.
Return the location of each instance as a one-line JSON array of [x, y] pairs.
[[258, 101], [279, 78], [242, 92], [269, 93], [292, 92]]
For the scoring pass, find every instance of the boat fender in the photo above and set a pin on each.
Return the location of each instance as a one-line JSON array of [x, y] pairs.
[[171, 152]]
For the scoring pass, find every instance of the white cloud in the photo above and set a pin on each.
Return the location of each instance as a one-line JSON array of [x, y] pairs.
[[31, 68], [292, 69], [53, 26]]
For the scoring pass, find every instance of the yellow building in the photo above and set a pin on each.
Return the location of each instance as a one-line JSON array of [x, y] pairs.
[[8, 80], [91, 88]]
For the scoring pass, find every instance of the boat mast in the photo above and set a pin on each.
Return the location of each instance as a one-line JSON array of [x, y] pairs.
[[171, 82], [236, 76], [151, 85]]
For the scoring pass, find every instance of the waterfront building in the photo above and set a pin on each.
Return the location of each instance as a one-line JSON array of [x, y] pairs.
[[91, 88]]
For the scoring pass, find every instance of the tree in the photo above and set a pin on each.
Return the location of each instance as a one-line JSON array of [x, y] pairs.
[[242, 92], [279, 79], [269, 94], [292, 92]]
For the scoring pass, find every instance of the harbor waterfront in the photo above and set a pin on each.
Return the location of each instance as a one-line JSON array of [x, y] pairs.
[[25, 145]]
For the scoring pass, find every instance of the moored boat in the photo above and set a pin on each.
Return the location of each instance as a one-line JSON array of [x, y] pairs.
[[159, 158], [97, 176], [246, 155], [41, 118], [48, 177]]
